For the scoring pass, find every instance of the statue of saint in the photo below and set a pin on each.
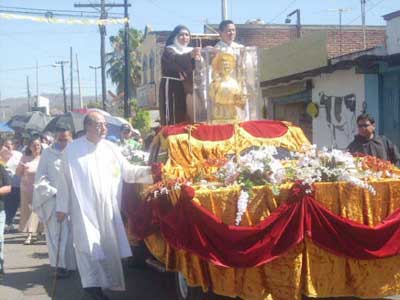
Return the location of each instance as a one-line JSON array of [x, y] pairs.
[[228, 98]]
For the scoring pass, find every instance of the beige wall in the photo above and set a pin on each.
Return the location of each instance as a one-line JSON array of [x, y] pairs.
[[393, 35], [150, 54], [294, 57], [338, 130]]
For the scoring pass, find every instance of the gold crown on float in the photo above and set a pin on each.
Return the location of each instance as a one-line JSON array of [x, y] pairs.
[[223, 57]]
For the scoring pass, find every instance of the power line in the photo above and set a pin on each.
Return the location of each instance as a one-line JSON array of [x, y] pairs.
[[283, 11], [47, 32], [169, 11], [371, 8], [49, 15], [56, 10], [24, 68]]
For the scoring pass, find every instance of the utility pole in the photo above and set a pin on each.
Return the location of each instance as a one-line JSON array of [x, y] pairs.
[[61, 64], [363, 23], [71, 69], [37, 83], [103, 15], [298, 21], [95, 79], [103, 55], [28, 93], [79, 82], [127, 92], [3, 109], [340, 11], [224, 9]]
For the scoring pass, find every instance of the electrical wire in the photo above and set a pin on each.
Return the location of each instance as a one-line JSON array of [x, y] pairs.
[[57, 10], [283, 11], [368, 10], [169, 11], [24, 68]]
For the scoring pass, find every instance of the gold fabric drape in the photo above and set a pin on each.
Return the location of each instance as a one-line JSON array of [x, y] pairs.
[[187, 155], [305, 270]]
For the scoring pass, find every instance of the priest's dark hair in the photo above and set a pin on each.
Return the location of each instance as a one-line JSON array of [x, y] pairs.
[[174, 34], [367, 117], [223, 24], [3, 140], [63, 128]]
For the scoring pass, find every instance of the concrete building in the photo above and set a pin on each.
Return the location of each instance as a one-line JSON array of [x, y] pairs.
[[339, 41], [150, 53], [324, 94], [264, 36]]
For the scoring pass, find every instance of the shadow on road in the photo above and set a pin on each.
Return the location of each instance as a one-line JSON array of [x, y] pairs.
[[39, 280]]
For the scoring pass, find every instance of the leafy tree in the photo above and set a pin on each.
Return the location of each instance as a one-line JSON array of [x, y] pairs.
[[141, 119], [94, 104], [115, 60]]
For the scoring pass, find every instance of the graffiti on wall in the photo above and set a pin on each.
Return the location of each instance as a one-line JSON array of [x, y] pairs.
[[340, 116]]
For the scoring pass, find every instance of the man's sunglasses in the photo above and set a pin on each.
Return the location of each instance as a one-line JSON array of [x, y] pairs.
[[363, 125]]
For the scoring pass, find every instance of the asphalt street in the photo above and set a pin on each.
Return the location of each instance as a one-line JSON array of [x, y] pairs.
[[29, 277]]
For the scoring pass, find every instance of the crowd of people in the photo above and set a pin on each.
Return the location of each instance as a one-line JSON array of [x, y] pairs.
[[43, 181]]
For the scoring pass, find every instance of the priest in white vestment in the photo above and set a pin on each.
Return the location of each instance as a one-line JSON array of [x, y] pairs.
[[44, 205], [90, 188], [227, 31]]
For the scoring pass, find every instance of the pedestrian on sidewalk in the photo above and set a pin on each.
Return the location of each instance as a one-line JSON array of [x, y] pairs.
[[44, 205], [29, 221], [5, 188], [11, 157], [89, 191]]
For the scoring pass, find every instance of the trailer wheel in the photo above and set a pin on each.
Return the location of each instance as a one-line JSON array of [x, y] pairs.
[[186, 292]]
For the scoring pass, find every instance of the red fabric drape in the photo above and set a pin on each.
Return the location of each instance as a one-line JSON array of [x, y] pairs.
[[265, 128], [202, 132], [191, 227], [205, 132]]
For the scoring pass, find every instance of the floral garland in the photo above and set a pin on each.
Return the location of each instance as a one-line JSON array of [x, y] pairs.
[[260, 166]]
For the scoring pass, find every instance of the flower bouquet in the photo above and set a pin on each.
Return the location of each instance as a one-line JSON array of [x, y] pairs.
[[134, 156], [254, 168], [325, 165]]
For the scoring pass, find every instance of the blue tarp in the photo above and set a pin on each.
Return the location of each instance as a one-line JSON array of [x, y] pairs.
[[5, 128]]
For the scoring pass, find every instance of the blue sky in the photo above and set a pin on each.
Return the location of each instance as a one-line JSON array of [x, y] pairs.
[[23, 42]]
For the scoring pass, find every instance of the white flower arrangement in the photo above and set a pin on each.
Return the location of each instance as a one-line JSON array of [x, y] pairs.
[[256, 167], [327, 166], [133, 155]]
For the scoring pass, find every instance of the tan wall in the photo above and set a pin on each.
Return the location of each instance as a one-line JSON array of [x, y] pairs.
[[293, 57]]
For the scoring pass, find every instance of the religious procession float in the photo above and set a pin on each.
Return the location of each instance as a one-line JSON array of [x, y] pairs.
[[248, 208]]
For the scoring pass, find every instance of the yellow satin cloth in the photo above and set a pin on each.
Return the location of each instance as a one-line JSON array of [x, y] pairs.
[[187, 156], [305, 270]]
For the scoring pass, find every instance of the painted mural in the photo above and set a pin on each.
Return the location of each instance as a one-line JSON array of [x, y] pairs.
[[340, 116]]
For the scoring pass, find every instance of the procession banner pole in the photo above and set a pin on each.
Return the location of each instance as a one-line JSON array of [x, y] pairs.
[[53, 291]]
